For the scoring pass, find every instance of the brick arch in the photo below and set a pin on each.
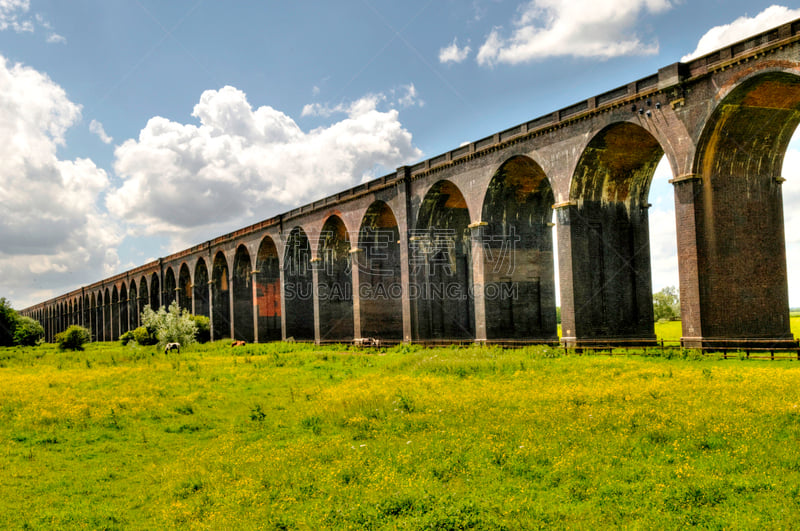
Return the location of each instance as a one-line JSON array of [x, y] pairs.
[[298, 286], [268, 290], [170, 286], [380, 282], [243, 295], [739, 283], [440, 258], [606, 225], [220, 297], [517, 245], [335, 281], [200, 290], [133, 306], [185, 291]]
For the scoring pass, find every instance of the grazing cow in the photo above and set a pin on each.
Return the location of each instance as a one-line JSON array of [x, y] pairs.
[[238, 344], [367, 342], [172, 346]]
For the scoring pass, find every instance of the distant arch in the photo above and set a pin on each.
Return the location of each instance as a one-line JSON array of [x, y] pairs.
[[335, 282], [440, 257], [200, 290], [519, 280], [155, 293], [185, 290], [298, 286], [610, 231], [123, 309], [170, 287], [380, 285], [114, 323], [243, 328], [221, 297], [268, 291], [133, 306], [107, 330]]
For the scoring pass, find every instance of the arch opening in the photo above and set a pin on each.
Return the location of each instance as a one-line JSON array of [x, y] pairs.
[[133, 306], [107, 320], [201, 305], [155, 293], [298, 286], [185, 288], [123, 309], [144, 296], [243, 296], [519, 285], [440, 261], [609, 235], [335, 282], [380, 286], [220, 298], [98, 317], [170, 287], [268, 291]]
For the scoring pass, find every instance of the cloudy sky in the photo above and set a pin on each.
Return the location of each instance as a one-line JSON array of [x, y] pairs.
[[132, 129]]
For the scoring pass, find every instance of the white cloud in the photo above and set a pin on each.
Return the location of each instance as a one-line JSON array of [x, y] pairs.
[[405, 96], [55, 38], [14, 15], [11, 13], [97, 128], [580, 28], [741, 28], [52, 234], [241, 164], [453, 54]]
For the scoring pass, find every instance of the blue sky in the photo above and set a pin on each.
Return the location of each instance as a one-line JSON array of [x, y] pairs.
[[136, 128]]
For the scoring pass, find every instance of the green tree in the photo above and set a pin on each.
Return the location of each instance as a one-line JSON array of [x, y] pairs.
[[73, 338], [171, 326], [8, 323], [203, 334], [28, 332], [667, 305]]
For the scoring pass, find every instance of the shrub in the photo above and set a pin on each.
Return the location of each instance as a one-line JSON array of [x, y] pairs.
[[144, 336], [8, 323], [73, 338], [127, 337], [203, 334], [28, 332], [171, 326]]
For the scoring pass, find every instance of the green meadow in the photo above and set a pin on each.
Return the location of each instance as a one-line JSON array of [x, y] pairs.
[[294, 436]]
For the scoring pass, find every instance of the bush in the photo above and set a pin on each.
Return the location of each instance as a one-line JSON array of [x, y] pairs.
[[8, 323], [171, 326], [127, 337], [203, 324], [145, 337], [73, 338], [28, 332]]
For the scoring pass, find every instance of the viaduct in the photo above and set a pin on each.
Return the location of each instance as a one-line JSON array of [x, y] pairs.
[[460, 246]]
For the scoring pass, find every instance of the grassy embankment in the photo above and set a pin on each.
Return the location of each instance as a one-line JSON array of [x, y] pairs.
[[285, 436]]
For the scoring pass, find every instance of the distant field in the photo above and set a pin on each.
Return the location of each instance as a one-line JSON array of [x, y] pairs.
[[671, 331], [285, 436]]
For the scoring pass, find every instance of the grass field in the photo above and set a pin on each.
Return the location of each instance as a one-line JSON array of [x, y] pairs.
[[284, 436], [671, 330]]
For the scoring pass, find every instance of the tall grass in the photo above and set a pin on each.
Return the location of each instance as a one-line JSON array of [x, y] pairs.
[[284, 436]]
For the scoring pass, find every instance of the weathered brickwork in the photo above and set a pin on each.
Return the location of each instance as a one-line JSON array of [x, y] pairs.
[[459, 247]]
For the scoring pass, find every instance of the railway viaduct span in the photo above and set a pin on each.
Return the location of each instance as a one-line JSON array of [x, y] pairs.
[[460, 246]]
